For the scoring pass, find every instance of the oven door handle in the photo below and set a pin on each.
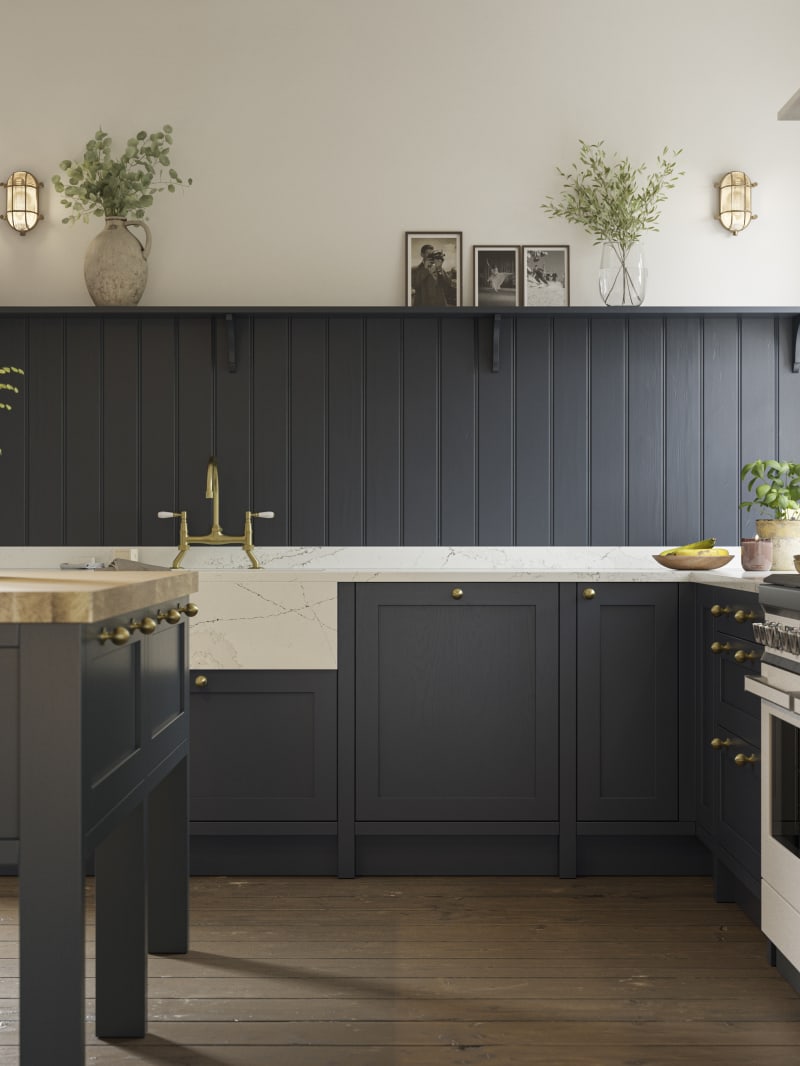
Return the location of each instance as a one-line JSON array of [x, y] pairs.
[[759, 687]]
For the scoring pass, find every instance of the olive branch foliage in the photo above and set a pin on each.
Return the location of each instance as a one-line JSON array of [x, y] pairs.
[[613, 200], [6, 386], [123, 187]]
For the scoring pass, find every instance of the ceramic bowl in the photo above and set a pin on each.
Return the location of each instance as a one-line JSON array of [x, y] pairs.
[[694, 562]]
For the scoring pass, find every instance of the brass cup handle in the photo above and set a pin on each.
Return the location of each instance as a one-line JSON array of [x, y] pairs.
[[718, 610], [457, 594], [588, 594], [201, 681], [146, 626], [746, 656], [743, 760], [745, 616], [716, 743], [119, 635], [716, 647]]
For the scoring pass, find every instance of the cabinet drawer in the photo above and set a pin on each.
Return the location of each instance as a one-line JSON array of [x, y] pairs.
[[735, 617], [739, 827]]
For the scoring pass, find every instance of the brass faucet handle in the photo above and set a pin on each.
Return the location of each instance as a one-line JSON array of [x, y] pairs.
[[169, 514], [261, 514]]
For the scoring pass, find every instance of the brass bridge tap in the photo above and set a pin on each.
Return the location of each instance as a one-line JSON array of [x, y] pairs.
[[215, 536]]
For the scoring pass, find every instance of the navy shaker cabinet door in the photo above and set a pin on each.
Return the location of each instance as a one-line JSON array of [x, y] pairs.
[[627, 697], [456, 702]]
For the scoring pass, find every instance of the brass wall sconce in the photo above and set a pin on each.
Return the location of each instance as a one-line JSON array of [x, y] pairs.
[[22, 201], [735, 201]]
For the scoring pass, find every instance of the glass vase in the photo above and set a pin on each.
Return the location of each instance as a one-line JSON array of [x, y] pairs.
[[623, 275]]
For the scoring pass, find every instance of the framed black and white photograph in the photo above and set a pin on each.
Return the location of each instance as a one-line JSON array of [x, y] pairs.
[[495, 274], [545, 273], [433, 269]]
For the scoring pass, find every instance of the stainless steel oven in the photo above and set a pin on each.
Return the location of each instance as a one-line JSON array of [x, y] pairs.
[[778, 686]]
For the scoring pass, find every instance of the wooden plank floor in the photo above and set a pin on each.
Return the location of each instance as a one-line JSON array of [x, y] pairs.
[[449, 972]]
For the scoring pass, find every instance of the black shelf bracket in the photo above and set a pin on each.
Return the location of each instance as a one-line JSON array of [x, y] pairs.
[[796, 355], [230, 331], [496, 345]]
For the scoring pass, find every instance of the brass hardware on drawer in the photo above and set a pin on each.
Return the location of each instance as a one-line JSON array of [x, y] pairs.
[[743, 760], [717, 743], [201, 681], [746, 616], [716, 647], [189, 609], [146, 626], [119, 635], [588, 594], [718, 609], [746, 656], [171, 616], [457, 594]]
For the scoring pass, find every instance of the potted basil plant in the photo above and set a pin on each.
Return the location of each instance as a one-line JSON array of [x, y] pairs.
[[775, 486]]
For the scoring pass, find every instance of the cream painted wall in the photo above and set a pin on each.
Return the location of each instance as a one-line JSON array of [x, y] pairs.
[[351, 121]]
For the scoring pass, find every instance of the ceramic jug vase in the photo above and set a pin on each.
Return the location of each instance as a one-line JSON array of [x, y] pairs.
[[115, 266]]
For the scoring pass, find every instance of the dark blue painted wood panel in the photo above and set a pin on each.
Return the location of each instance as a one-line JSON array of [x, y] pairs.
[[308, 457], [458, 432], [496, 412], [684, 412], [609, 432], [533, 468], [383, 449], [382, 428], [721, 429], [646, 431], [120, 429], [571, 431], [421, 460], [271, 407]]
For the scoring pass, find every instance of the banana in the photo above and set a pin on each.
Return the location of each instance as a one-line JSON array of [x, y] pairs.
[[691, 549], [700, 551]]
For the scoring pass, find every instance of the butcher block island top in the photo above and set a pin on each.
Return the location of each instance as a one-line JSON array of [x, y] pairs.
[[84, 595]]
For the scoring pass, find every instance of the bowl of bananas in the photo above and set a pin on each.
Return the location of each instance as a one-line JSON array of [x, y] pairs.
[[701, 555]]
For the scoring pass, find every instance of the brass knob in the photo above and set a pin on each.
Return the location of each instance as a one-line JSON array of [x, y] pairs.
[[745, 616], [119, 635], [171, 616], [746, 656], [717, 743], [189, 609], [457, 594], [717, 610], [716, 647], [201, 681], [743, 760], [588, 594], [146, 626]]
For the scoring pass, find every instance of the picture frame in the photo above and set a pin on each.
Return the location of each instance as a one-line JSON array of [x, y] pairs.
[[495, 275], [545, 275], [433, 268]]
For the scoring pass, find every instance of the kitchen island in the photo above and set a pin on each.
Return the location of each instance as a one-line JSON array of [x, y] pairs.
[[93, 669]]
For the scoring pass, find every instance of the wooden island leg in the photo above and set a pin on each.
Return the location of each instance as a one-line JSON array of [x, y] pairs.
[[168, 864]]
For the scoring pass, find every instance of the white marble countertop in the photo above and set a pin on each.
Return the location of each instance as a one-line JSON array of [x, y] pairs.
[[284, 616]]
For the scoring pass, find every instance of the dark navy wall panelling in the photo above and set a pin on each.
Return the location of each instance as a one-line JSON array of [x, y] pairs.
[[392, 427]]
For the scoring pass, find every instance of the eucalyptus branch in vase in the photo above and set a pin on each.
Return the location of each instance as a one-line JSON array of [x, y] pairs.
[[615, 203], [6, 387]]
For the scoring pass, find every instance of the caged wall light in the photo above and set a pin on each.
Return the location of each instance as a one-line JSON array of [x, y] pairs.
[[22, 201], [735, 201]]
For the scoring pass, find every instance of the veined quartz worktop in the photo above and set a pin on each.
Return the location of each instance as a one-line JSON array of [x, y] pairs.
[[85, 595], [284, 616]]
